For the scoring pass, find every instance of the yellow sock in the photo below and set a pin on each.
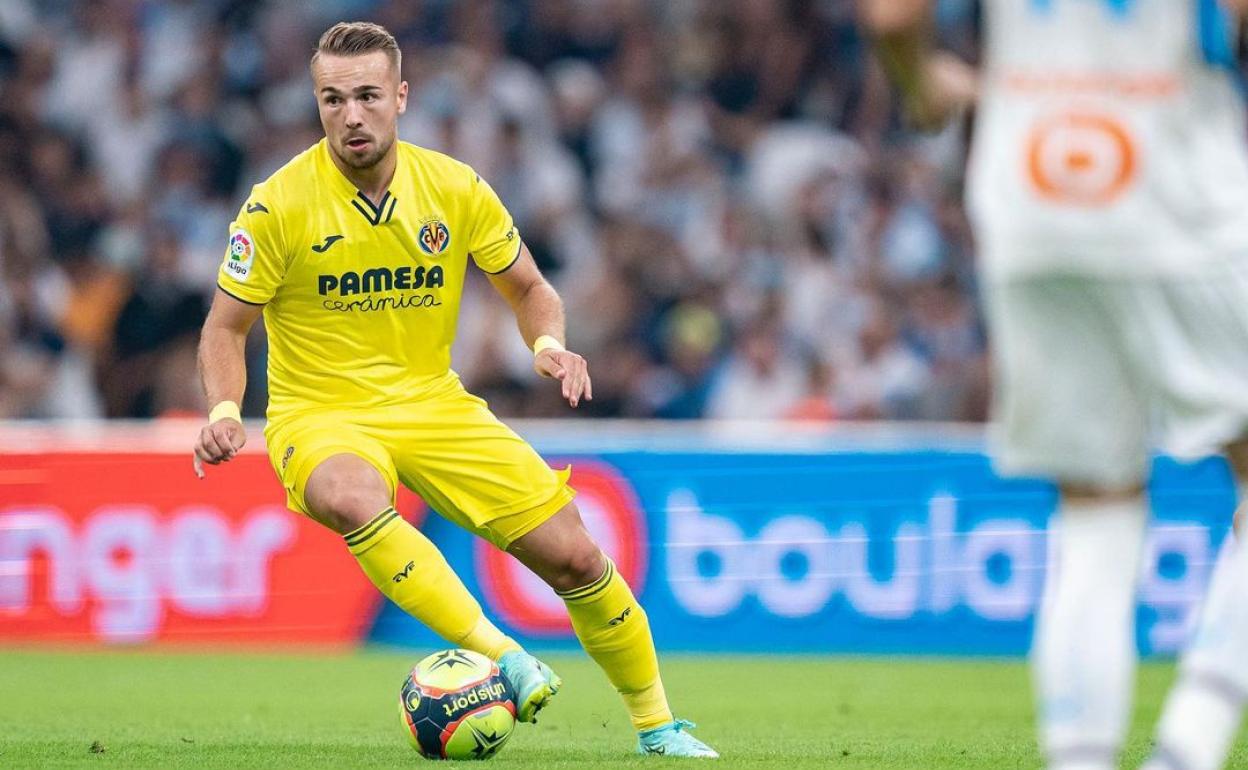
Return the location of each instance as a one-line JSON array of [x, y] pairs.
[[409, 569], [614, 630]]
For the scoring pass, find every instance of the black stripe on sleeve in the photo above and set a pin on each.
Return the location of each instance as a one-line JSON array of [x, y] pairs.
[[240, 299], [513, 261]]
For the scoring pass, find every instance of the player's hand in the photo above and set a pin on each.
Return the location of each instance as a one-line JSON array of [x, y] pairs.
[[570, 369], [948, 86], [218, 443]]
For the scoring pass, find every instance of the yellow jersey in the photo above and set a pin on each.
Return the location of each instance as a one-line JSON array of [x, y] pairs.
[[361, 299]]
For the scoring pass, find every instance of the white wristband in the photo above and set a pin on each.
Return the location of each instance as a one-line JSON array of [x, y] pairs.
[[223, 410], [546, 342]]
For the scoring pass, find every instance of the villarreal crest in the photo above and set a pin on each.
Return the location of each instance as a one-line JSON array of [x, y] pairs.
[[434, 237]]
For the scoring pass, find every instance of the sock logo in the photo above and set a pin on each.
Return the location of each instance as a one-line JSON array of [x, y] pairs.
[[618, 619], [398, 576], [257, 207]]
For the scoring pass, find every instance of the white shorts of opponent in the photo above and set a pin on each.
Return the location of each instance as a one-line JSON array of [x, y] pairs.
[[1093, 372]]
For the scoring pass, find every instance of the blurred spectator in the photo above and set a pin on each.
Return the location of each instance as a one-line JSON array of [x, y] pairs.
[[761, 380], [718, 188], [818, 403], [888, 378], [156, 328], [691, 338]]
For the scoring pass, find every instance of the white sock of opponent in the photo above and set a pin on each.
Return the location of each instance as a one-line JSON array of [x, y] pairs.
[[1203, 711], [1083, 655]]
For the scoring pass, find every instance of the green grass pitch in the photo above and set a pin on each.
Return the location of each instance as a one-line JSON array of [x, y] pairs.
[[168, 710]]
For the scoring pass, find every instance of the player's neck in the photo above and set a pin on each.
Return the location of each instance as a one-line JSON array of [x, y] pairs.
[[374, 180]]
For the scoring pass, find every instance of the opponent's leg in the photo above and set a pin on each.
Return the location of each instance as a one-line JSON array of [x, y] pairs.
[[611, 625], [349, 495], [1083, 656], [1202, 713], [1072, 403]]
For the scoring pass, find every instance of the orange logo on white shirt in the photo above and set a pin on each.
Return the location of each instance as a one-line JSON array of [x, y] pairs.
[[1081, 159]]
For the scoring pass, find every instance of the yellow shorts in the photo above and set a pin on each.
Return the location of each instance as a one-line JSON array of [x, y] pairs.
[[448, 448]]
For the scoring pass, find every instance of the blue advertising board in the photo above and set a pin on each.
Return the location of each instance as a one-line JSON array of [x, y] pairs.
[[862, 549]]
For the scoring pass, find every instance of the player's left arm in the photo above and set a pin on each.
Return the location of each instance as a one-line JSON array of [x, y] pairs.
[[539, 314], [934, 85], [1238, 7]]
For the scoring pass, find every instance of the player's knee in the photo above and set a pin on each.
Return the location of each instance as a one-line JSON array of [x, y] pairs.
[[345, 501], [344, 509], [577, 567], [347, 513]]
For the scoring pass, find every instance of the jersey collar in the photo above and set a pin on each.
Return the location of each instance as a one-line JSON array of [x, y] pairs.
[[378, 214]]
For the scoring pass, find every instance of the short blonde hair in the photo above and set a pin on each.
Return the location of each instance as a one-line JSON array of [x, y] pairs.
[[356, 38]]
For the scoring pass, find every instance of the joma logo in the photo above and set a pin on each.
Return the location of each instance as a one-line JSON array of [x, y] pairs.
[[330, 240], [618, 619]]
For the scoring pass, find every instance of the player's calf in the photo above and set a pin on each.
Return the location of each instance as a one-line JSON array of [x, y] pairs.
[[1083, 657], [561, 552], [611, 625], [349, 495], [1204, 709]]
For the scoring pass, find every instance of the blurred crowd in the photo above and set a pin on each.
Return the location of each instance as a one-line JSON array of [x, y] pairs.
[[719, 189]]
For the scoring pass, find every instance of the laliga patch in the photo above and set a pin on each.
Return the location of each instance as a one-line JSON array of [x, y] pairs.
[[240, 255], [433, 238]]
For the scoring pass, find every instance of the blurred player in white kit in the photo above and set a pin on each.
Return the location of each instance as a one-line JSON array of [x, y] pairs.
[[1108, 186]]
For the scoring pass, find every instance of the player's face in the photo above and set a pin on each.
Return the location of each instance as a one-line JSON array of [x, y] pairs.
[[360, 99]]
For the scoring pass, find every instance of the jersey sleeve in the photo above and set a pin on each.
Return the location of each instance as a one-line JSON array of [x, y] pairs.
[[255, 256], [495, 242]]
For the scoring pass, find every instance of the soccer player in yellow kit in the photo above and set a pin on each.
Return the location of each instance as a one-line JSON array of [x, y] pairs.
[[355, 252]]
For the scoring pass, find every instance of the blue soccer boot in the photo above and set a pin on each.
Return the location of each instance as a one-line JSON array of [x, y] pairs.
[[673, 740], [533, 681]]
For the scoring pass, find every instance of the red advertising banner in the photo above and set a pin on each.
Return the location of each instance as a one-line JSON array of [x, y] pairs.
[[107, 536], [132, 547]]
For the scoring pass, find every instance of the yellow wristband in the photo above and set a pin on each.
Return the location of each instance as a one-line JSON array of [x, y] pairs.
[[546, 342], [223, 410]]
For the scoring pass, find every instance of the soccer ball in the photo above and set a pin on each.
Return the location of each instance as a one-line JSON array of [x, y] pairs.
[[456, 704]]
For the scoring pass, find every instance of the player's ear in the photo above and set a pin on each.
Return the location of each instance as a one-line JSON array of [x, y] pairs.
[[402, 96]]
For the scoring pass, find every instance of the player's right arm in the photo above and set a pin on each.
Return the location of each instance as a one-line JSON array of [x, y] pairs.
[[934, 85], [223, 369], [251, 272]]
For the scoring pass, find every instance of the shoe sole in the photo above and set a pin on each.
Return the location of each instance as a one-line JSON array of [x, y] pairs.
[[650, 753], [537, 700]]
